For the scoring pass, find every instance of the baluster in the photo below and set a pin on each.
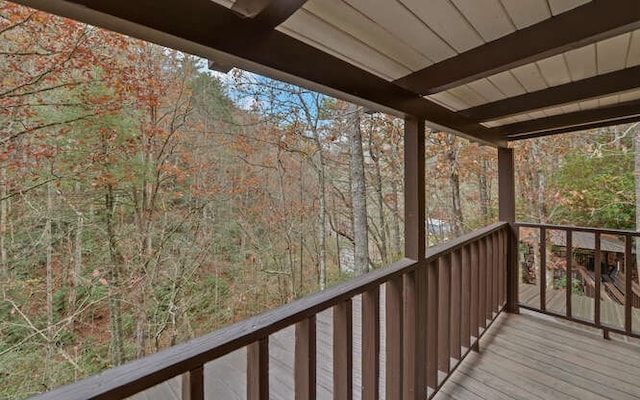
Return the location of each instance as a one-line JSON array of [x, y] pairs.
[[258, 370], [475, 294], [489, 279], [432, 323], [482, 283], [193, 384], [444, 315], [393, 314], [628, 291], [343, 350], [543, 269], [305, 359], [598, 278], [456, 295], [465, 330], [371, 344], [569, 272], [502, 267], [495, 288]]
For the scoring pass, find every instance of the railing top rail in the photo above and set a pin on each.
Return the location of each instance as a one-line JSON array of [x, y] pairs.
[[144, 373], [620, 232], [455, 244]]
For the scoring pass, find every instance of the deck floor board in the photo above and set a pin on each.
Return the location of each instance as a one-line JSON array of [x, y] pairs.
[[536, 357]]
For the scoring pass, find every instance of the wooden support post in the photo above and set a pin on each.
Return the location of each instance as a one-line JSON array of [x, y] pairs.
[[414, 184], [507, 213], [415, 283]]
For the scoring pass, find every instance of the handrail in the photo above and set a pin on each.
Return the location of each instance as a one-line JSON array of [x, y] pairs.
[[628, 297], [461, 241], [577, 228], [138, 375]]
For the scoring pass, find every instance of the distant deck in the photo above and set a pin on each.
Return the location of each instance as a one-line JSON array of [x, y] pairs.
[[611, 313], [528, 356]]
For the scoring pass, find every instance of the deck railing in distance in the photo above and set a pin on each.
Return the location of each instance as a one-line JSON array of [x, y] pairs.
[[605, 297], [435, 312]]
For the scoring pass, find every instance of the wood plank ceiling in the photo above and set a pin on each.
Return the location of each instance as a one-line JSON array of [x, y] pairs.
[[494, 70]]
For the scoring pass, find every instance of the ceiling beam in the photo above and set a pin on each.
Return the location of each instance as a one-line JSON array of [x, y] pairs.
[[569, 120], [199, 25], [597, 86], [589, 23], [593, 125], [267, 13]]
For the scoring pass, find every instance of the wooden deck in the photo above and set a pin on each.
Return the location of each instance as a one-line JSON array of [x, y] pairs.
[[527, 356], [536, 357]]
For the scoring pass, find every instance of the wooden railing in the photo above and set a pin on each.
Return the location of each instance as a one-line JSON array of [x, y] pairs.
[[620, 290], [436, 310]]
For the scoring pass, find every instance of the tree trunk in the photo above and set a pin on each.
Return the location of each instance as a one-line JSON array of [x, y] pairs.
[[115, 277], [382, 221], [322, 222], [454, 182], [395, 218], [538, 184], [76, 272], [301, 239], [48, 239], [358, 193], [484, 190], [4, 262]]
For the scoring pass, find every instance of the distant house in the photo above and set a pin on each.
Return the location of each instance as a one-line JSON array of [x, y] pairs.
[[438, 227], [583, 262]]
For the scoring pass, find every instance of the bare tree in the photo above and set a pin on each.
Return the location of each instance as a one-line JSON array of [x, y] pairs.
[[358, 191]]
